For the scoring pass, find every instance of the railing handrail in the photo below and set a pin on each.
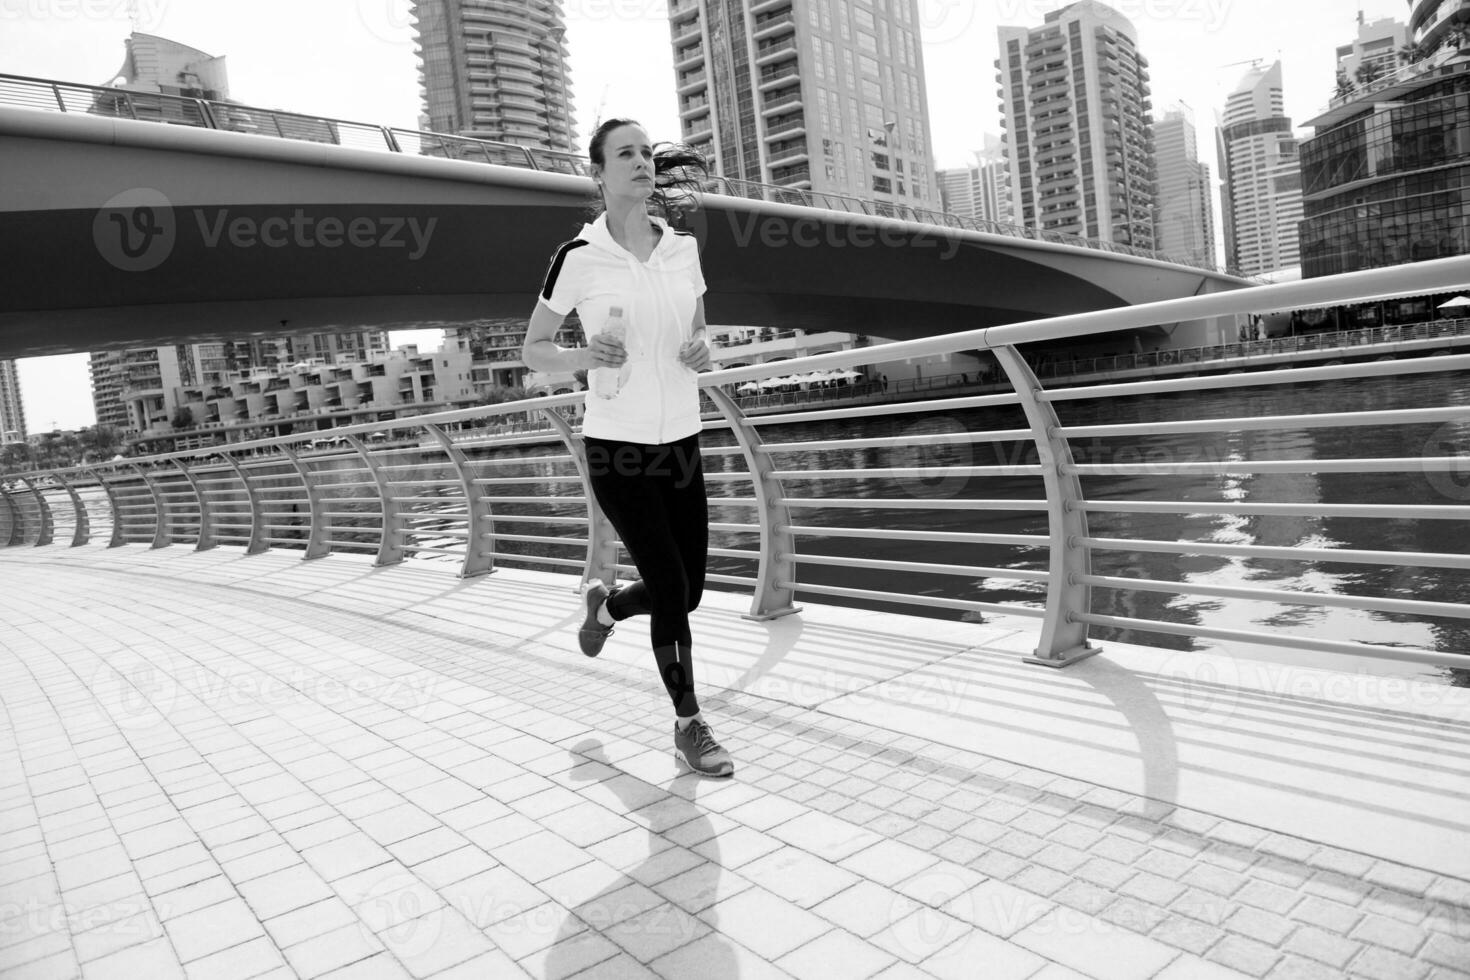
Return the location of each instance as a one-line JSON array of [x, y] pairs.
[[288, 501], [207, 120]]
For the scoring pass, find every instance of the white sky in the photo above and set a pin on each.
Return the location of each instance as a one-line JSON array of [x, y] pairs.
[[354, 59]]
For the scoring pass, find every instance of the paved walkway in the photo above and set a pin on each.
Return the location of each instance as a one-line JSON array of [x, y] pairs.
[[214, 766]]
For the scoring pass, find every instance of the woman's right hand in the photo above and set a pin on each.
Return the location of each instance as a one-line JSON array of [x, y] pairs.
[[606, 351]]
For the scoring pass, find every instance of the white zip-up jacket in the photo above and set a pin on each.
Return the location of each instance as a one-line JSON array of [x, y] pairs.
[[659, 402]]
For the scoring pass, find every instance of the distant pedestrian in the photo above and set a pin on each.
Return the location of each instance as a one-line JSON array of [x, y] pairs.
[[643, 456]]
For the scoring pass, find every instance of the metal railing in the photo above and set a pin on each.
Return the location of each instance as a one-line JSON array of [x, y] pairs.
[[461, 486], [51, 95], [1329, 340]]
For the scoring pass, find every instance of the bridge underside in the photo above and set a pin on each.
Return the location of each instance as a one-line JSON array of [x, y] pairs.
[[116, 233]]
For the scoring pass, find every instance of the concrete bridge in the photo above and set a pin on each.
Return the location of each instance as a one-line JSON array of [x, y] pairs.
[[115, 231]]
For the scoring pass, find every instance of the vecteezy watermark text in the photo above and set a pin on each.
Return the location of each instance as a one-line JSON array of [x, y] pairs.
[[138, 229], [305, 231], [770, 231], [143, 12]]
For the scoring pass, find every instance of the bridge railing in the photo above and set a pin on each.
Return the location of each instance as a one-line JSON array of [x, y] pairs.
[[875, 509], [1326, 340], [50, 95]]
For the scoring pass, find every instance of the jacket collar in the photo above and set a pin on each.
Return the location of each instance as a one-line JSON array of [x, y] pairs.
[[596, 233]]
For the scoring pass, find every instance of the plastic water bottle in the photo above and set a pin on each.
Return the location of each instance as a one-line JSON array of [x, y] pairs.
[[607, 381]]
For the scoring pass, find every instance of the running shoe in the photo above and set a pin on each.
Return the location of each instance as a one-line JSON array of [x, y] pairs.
[[699, 750], [593, 634]]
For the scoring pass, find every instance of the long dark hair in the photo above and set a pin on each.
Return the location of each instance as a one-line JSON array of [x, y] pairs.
[[679, 172]]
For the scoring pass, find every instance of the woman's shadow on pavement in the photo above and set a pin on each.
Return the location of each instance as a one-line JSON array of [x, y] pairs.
[[663, 929]]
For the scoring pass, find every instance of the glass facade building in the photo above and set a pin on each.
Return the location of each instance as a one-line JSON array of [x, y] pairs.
[[1386, 179]]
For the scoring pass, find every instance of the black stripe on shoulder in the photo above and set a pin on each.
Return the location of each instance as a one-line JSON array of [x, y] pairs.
[[686, 234], [556, 263]]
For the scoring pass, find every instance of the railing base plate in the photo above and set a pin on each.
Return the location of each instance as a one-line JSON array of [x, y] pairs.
[[1065, 659], [774, 614]]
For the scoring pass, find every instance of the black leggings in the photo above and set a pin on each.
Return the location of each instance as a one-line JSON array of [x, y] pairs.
[[654, 496]]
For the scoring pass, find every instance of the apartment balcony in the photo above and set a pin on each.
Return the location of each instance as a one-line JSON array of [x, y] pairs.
[[694, 103], [788, 124], [685, 57], [691, 80], [697, 129], [786, 152], [770, 25], [791, 176], [770, 78], [774, 100], [759, 7], [770, 52]]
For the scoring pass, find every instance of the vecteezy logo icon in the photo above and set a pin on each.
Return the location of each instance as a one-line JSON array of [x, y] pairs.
[[135, 230], [388, 20], [942, 21]]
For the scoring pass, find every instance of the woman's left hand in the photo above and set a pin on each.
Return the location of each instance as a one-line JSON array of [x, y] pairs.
[[695, 353]]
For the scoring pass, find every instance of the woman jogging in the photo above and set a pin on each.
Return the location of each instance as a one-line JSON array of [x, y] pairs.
[[629, 271]]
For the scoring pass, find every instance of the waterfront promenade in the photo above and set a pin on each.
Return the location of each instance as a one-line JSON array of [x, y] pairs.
[[214, 765]]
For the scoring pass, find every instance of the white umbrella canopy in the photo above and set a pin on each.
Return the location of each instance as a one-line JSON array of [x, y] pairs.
[[1458, 301]]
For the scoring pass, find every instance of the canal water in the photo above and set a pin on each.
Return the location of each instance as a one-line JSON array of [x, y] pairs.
[[1414, 487]]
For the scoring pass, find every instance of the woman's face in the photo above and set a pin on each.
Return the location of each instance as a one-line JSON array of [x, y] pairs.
[[627, 164]]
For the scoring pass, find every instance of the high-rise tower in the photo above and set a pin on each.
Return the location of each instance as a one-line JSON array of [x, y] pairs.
[[1075, 100], [981, 191], [496, 71], [1184, 224], [12, 410], [813, 94], [1261, 198]]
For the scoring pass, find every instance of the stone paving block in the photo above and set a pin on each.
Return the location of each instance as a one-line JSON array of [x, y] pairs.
[[154, 960], [825, 836], [1317, 944], [380, 966], [1095, 946], [331, 950], [1260, 926], [60, 966], [798, 877], [212, 929], [249, 959], [998, 908], [110, 937], [1244, 955], [763, 922], [284, 891], [1377, 963], [192, 898], [836, 949]]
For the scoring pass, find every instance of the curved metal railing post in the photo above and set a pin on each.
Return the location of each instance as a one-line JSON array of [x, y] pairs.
[[1063, 640], [316, 538], [82, 533], [772, 599], [480, 527], [390, 547], [602, 538], [256, 543], [11, 516], [205, 541], [44, 532], [160, 526], [116, 540]]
